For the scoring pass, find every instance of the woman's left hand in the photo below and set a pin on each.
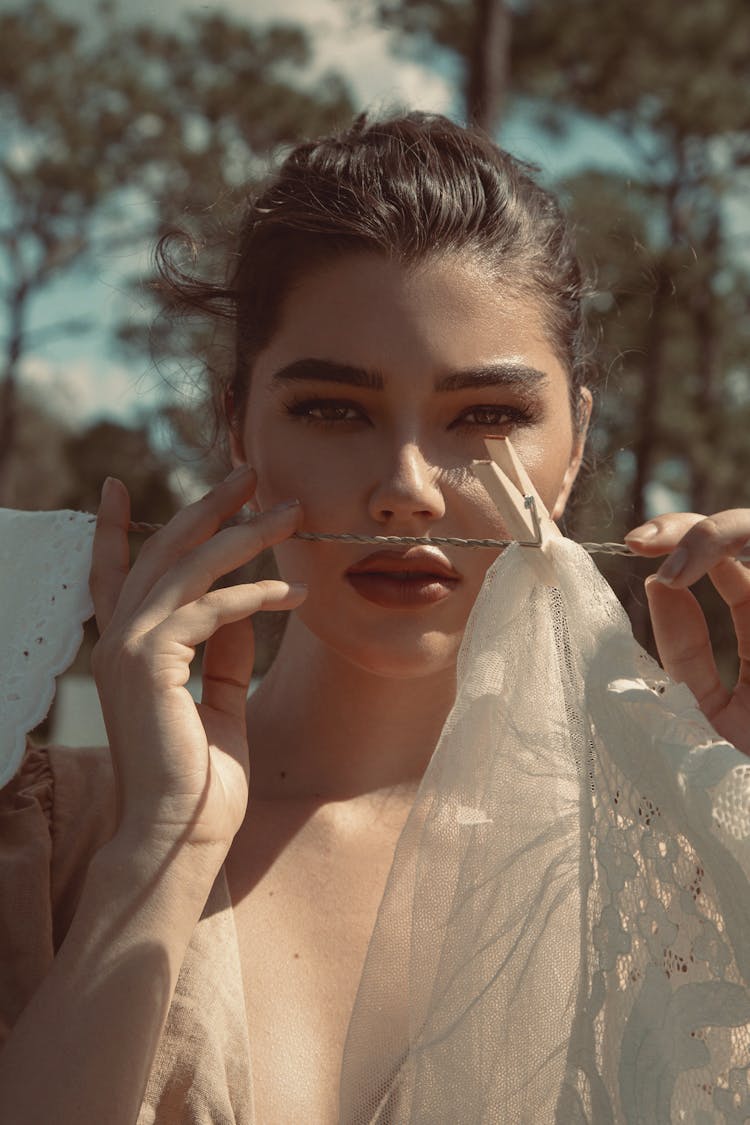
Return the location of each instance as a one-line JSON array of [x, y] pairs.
[[699, 545]]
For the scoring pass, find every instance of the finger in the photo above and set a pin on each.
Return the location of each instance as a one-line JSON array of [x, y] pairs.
[[661, 534], [110, 557], [193, 575], [684, 645], [187, 529], [192, 624], [722, 536], [732, 580], [696, 542], [228, 660]]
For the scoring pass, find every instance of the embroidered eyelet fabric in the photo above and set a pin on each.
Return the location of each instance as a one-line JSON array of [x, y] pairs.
[[45, 559], [565, 931]]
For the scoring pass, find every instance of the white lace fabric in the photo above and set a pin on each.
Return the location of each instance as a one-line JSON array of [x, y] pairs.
[[44, 600], [565, 932]]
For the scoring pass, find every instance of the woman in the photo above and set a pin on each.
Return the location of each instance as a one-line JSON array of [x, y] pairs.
[[399, 293]]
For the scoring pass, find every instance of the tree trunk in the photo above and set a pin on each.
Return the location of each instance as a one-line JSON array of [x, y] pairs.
[[648, 434], [9, 392], [646, 446], [709, 392], [489, 64]]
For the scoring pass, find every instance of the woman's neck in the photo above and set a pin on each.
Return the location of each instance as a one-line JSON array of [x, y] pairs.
[[322, 728]]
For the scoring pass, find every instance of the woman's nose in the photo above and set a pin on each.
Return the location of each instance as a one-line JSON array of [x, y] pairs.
[[408, 489]]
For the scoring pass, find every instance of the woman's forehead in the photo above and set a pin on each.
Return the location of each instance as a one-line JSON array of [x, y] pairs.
[[440, 317]]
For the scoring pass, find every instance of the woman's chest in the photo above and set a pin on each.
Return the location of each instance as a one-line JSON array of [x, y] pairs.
[[303, 930]]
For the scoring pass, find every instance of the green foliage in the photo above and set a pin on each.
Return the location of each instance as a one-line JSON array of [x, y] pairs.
[[112, 135], [227, 96], [670, 280], [56, 466], [232, 98], [680, 69], [423, 25], [671, 291], [110, 449]]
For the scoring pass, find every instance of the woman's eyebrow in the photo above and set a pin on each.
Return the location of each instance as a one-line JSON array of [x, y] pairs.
[[328, 371], [504, 374]]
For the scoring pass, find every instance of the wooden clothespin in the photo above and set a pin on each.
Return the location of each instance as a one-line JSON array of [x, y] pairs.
[[521, 508]]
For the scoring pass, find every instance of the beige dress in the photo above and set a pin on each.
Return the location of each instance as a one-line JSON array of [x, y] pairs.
[[54, 814]]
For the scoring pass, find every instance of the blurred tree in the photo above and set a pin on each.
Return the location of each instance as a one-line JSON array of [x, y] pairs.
[[56, 466], [673, 308], [68, 141], [671, 278], [657, 442], [671, 85], [236, 93], [92, 117], [489, 62], [39, 473], [475, 33], [111, 449], [111, 135]]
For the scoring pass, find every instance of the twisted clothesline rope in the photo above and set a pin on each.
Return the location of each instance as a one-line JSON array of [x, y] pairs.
[[453, 541], [432, 540]]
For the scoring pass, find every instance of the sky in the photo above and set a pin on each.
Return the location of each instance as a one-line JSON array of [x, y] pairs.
[[84, 377], [362, 53]]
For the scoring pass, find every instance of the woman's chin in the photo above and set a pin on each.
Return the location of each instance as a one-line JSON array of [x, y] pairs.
[[396, 648], [403, 658]]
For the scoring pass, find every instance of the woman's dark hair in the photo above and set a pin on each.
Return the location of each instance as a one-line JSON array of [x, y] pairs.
[[407, 187]]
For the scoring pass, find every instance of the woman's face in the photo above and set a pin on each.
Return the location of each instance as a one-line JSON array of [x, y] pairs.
[[369, 404]]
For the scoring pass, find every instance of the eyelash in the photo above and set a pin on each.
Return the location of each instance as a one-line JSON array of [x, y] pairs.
[[302, 409]]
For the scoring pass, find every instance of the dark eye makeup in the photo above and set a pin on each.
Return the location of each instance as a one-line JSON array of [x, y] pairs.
[[340, 412], [494, 416], [325, 411]]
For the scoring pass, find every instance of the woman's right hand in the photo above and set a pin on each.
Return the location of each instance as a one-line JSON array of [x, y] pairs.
[[181, 768]]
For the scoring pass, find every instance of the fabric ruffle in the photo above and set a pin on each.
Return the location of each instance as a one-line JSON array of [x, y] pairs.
[[45, 559]]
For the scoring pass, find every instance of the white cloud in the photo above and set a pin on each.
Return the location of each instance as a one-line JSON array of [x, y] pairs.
[[359, 51], [80, 391]]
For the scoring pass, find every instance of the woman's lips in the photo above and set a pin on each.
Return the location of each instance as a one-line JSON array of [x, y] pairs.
[[420, 576], [396, 590]]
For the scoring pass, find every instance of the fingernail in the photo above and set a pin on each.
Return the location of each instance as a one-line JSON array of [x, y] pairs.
[[673, 567], [106, 487], [240, 471], [285, 504], [298, 587], [646, 531]]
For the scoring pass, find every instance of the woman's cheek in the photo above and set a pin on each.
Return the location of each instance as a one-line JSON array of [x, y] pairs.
[[315, 563]]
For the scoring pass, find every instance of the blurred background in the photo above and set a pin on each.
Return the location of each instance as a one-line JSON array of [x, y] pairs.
[[118, 123]]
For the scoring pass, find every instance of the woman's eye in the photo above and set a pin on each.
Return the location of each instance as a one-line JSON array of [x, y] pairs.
[[493, 416], [326, 410]]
